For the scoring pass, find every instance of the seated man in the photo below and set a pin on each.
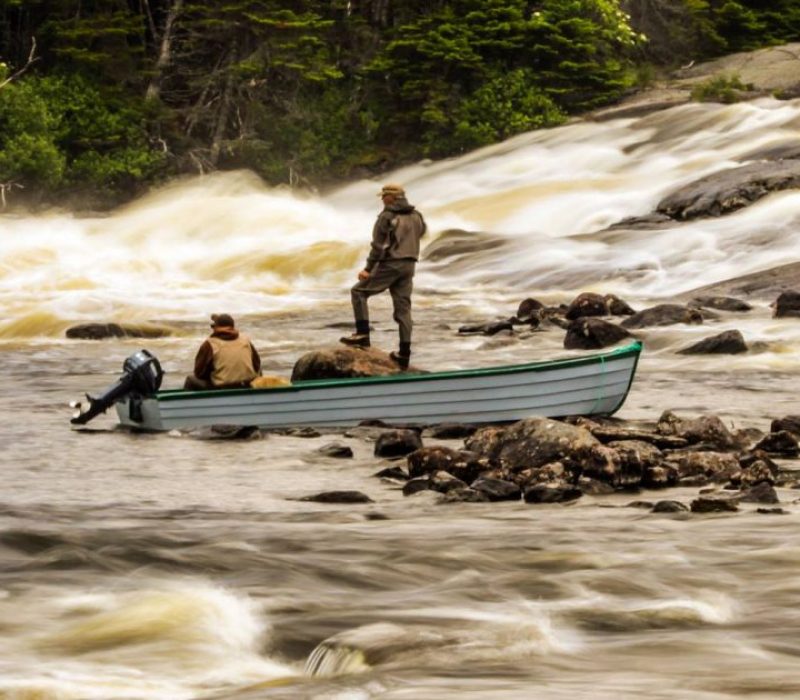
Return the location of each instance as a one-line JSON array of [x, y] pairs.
[[225, 360]]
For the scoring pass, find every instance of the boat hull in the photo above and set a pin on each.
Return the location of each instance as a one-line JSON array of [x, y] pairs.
[[589, 385]]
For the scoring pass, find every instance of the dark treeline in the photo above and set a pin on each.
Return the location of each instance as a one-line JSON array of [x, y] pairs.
[[109, 96]]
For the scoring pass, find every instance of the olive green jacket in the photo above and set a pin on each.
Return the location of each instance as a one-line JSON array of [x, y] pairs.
[[396, 234]]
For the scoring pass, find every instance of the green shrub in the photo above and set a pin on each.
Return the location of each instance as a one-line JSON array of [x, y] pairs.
[[725, 89]]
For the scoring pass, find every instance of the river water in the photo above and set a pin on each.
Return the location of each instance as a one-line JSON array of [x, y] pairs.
[[170, 567]]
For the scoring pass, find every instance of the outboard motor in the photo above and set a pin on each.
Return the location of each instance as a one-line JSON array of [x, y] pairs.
[[142, 377]]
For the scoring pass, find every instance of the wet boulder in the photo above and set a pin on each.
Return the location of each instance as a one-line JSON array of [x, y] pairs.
[[761, 492], [592, 334], [101, 331], [486, 442], [594, 487], [337, 450], [552, 493], [790, 423], [413, 486], [529, 309], [709, 430], [225, 432], [339, 497], [755, 473], [715, 504], [717, 467], [466, 495], [592, 304], [727, 343], [491, 328], [720, 303], [670, 507], [459, 463], [787, 305], [397, 443], [444, 482], [663, 315], [534, 442], [659, 477], [781, 443], [730, 189], [497, 489], [554, 471], [394, 473], [607, 433], [341, 362], [449, 431]]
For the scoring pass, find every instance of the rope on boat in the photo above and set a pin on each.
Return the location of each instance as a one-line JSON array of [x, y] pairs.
[[600, 393]]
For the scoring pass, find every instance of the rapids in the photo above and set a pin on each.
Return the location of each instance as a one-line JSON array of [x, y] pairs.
[[167, 567]]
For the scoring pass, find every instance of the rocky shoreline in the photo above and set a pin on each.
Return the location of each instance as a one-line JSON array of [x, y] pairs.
[[547, 461]]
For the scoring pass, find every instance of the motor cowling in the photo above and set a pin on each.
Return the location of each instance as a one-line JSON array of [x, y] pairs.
[[142, 375]]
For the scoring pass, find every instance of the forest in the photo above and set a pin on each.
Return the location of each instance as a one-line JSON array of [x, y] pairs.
[[101, 99]]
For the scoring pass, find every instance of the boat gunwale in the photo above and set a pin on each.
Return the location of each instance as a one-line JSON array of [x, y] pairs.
[[633, 348]]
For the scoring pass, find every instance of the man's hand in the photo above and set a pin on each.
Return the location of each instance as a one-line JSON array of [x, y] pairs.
[[363, 276]]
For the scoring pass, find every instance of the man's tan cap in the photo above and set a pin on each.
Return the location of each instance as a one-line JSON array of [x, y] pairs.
[[396, 190]]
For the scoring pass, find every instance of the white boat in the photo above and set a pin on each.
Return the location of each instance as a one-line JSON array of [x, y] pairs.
[[587, 385]]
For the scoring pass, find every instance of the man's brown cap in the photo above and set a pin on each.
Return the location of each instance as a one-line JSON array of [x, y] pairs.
[[395, 190], [221, 320]]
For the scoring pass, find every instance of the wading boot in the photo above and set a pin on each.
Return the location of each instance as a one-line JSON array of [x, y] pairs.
[[359, 339], [403, 356]]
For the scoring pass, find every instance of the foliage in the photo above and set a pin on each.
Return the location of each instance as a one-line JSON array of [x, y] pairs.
[[723, 89], [123, 92], [61, 131]]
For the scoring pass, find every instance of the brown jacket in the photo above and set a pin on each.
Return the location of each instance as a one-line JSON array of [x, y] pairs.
[[396, 234], [227, 358]]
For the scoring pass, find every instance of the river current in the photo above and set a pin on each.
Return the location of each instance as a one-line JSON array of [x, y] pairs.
[[169, 567]]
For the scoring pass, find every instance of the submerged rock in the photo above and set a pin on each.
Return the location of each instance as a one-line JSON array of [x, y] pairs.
[[715, 504], [760, 493], [727, 343], [491, 328], [721, 303], [101, 331], [663, 315], [337, 450], [339, 497], [670, 507]]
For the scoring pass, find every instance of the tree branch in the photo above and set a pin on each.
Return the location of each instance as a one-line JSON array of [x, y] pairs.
[[32, 58]]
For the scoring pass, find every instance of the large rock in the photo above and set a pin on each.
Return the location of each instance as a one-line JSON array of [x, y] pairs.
[[787, 305], [341, 362], [663, 315], [728, 190], [101, 331], [726, 343], [712, 466], [460, 463], [592, 304], [704, 429], [534, 442], [592, 334]]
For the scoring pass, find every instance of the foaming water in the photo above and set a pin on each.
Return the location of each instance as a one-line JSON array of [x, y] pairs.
[[179, 251], [168, 640]]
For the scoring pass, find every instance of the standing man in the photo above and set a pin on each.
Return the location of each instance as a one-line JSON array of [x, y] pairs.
[[391, 262], [226, 359]]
